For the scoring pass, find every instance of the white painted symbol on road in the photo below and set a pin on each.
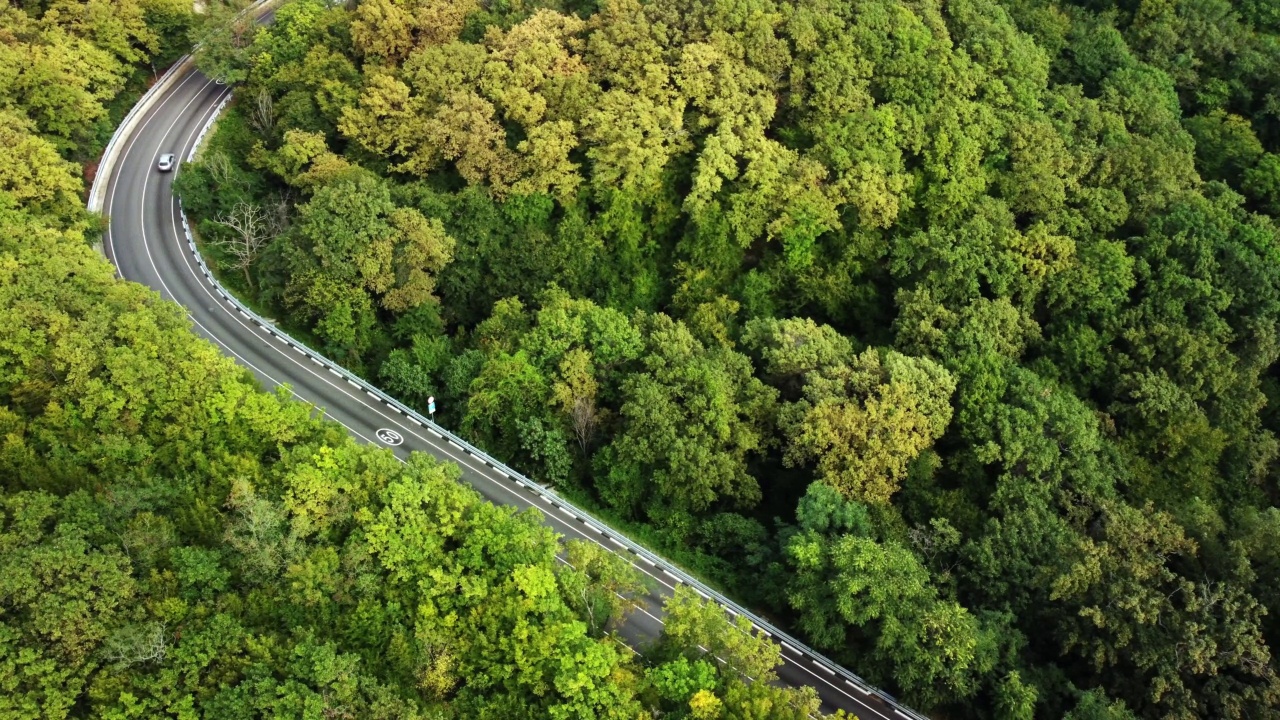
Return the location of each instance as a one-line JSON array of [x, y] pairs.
[[390, 437]]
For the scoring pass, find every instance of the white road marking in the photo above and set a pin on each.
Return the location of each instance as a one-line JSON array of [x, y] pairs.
[[224, 294]]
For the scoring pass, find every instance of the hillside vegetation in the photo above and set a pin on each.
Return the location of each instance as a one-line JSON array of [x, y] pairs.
[[942, 329], [176, 543]]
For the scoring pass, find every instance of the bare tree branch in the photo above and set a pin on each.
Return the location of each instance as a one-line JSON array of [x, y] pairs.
[[585, 419], [137, 644], [263, 116], [219, 167], [252, 229]]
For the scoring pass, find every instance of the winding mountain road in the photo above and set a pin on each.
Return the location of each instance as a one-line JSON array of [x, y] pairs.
[[145, 240]]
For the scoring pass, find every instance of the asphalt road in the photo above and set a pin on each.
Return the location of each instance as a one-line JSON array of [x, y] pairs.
[[147, 245]]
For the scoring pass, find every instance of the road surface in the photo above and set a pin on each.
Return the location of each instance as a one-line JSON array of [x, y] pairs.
[[145, 240]]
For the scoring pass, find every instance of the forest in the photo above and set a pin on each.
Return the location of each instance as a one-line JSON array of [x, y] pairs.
[[177, 543], [942, 331]]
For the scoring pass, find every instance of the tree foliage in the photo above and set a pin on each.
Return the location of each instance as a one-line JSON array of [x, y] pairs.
[[943, 331], [176, 542]]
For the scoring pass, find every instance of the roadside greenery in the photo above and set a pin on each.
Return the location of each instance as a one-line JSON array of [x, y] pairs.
[[177, 543], [943, 330]]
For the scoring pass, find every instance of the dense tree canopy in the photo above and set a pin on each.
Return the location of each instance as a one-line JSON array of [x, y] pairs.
[[944, 330], [177, 543]]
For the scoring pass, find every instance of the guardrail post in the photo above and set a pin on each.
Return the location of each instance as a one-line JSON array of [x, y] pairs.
[[548, 495]]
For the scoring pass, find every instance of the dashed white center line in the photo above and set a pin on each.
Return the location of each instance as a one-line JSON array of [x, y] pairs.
[[268, 329]]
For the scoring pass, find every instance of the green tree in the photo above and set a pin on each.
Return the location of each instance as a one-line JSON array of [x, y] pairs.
[[224, 37], [689, 420], [600, 585], [932, 648], [862, 418], [63, 595], [353, 247], [33, 173], [1147, 605]]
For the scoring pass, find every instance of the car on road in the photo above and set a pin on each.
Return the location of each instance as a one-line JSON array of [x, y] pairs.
[[166, 162]]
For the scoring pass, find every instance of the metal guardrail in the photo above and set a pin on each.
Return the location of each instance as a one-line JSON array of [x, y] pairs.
[[107, 162], [548, 495], [554, 498]]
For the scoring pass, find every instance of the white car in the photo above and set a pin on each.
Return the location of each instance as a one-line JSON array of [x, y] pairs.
[[166, 162]]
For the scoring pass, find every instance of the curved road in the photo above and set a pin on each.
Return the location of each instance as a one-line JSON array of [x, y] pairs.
[[145, 241]]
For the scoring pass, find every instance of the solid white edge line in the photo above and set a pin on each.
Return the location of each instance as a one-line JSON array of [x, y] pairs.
[[466, 452]]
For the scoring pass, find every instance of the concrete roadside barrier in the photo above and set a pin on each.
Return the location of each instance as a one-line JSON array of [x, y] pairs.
[[115, 147]]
